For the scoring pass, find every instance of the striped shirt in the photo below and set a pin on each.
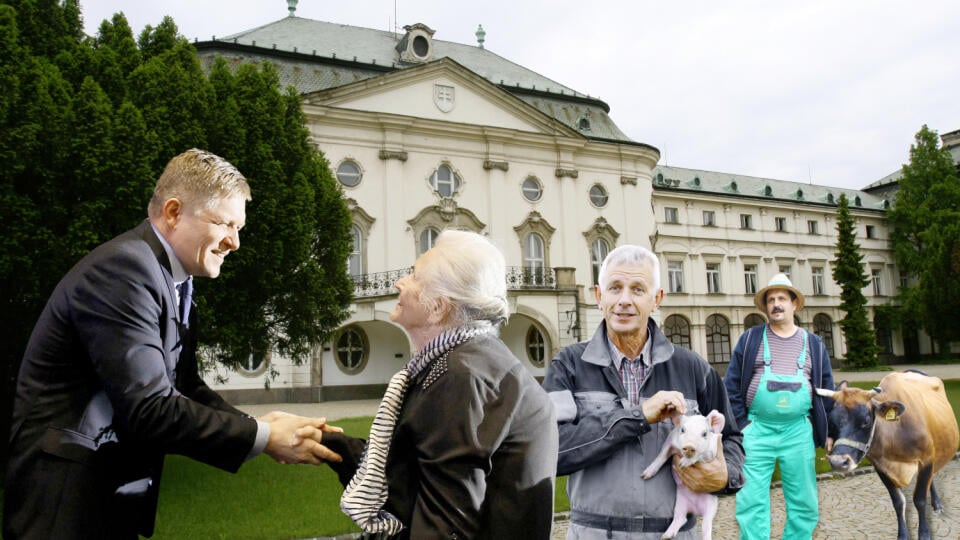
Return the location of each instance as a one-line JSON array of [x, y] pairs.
[[784, 353]]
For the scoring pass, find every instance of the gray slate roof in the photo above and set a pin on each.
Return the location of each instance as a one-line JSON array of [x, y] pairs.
[[742, 186], [316, 55]]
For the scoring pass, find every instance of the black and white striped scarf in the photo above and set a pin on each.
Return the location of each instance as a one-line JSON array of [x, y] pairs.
[[366, 494]]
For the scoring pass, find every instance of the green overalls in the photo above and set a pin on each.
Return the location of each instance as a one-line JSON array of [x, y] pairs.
[[779, 430]]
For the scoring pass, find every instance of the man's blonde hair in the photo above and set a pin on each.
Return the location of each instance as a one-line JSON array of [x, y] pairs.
[[199, 179]]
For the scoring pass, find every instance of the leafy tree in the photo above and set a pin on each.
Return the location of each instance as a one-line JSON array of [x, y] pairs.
[[289, 279], [848, 272], [926, 238], [86, 127]]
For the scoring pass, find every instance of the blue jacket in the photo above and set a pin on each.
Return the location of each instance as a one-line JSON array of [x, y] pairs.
[[743, 364]]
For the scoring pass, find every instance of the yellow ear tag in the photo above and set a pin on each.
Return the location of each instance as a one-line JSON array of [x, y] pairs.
[[891, 415]]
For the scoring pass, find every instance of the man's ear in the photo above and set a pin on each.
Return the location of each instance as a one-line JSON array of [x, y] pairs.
[[171, 211]]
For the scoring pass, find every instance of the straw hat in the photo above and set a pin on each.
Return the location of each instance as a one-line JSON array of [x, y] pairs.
[[779, 281]]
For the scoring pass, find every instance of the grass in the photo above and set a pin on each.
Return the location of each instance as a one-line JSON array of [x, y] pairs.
[[269, 501]]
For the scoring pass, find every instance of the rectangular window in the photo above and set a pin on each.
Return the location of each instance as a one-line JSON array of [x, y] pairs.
[[709, 218], [746, 221], [785, 270], [781, 223], [812, 227], [670, 215], [818, 280], [903, 280], [750, 278], [675, 276], [713, 277], [877, 283], [871, 231]]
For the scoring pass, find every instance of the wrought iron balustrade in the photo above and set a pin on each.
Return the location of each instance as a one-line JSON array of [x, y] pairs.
[[518, 277], [525, 277], [379, 284]]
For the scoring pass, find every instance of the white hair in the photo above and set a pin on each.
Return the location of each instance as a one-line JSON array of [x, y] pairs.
[[629, 254], [470, 272]]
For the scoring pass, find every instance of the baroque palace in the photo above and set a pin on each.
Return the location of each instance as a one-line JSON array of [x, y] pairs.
[[425, 134]]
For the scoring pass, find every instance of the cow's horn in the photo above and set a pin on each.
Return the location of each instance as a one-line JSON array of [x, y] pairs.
[[824, 392]]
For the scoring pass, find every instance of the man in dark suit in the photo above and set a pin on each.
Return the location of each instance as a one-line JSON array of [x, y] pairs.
[[109, 381]]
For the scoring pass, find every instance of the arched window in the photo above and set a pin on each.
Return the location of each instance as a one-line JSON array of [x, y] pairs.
[[718, 339], [355, 260], [598, 252], [427, 237], [677, 330], [752, 320], [536, 346], [351, 350], [884, 336], [823, 327], [445, 182], [533, 260]]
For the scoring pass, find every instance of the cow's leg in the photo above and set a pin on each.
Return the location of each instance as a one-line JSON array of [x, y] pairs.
[[899, 504], [935, 501], [924, 481]]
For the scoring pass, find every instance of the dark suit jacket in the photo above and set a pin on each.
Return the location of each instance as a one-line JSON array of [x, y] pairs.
[[107, 387]]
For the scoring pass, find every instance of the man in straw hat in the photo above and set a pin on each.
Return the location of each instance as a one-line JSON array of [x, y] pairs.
[[771, 379]]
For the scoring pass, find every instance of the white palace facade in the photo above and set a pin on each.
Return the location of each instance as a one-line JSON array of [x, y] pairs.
[[425, 134]]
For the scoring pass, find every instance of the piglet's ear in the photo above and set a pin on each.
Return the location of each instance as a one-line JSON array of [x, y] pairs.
[[716, 421], [676, 417]]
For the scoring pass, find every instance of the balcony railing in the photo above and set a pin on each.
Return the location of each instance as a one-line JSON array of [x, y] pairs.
[[518, 278], [379, 284], [524, 277]]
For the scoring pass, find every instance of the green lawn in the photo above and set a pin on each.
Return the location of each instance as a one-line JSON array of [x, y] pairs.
[[269, 501]]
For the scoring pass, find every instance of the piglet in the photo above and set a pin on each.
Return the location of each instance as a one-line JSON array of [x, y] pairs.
[[694, 438]]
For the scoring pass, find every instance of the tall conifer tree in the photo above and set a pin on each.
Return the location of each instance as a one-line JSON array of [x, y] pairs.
[[86, 127], [848, 272], [926, 238]]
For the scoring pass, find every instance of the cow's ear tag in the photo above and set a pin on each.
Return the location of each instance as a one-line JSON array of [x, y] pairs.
[[891, 415]]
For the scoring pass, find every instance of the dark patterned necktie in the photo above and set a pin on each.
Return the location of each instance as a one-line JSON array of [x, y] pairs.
[[186, 300]]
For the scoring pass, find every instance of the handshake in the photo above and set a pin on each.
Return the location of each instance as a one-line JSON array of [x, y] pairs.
[[299, 439]]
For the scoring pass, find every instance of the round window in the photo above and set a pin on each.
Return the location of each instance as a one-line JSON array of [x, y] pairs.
[[351, 350], [421, 46], [598, 196], [348, 173], [254, 363], [531, 189]]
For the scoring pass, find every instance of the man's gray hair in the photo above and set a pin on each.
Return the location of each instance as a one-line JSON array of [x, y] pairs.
[[629, 254], [469, 272], [199, 179]]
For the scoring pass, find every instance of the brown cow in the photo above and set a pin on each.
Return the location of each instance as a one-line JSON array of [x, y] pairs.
[[904, 426]]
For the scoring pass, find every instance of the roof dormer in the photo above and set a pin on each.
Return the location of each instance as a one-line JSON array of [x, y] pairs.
[[416, 46]]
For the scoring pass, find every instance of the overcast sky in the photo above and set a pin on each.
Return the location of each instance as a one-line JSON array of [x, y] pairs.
[[828, 92]]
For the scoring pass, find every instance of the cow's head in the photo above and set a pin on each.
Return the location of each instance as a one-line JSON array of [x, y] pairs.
[[854, 420]]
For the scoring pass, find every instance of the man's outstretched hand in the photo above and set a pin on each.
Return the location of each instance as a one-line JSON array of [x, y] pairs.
[[298, 439]]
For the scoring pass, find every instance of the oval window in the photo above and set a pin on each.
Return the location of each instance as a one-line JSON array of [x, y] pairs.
[[598, 196], [348, 173]]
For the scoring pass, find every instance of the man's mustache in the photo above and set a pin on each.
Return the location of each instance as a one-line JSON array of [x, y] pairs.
[[777, 310]]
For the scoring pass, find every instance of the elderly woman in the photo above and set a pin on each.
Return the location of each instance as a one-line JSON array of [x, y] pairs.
[[467, 436]]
